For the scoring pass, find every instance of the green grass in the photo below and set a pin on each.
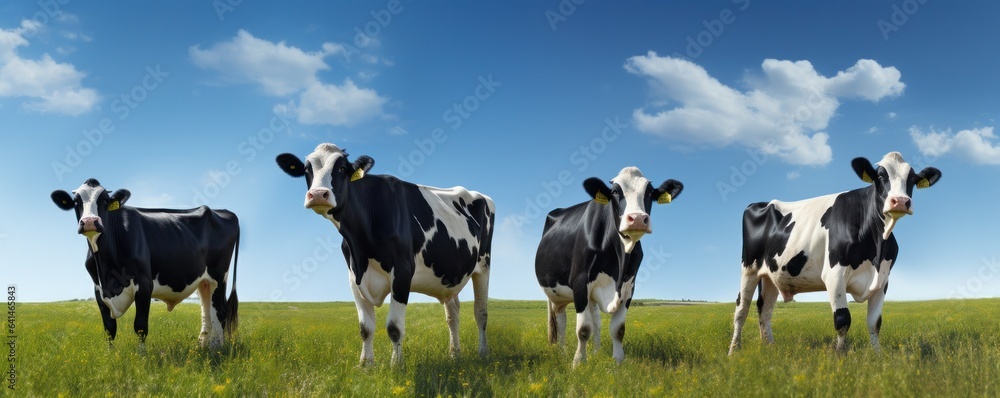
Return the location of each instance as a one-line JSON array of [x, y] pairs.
[[937, 348]]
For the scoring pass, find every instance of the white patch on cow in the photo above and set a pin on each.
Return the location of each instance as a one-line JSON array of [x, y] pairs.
[[375, 285], [602, 291], [120, 303], [322, 161], [899, 173], [560, 294], [633, 185], [171, 298]]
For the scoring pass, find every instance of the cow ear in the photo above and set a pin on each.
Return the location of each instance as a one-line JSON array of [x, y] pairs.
[[668, 191], [118, 199], [864, 169], [927, 177], [291, 164], [597, 190], [63, 200], [361, 166]]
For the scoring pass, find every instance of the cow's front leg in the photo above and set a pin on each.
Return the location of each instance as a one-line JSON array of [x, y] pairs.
[[584, 326], [142, 300], [396, 323], [875, 317], [110, 324], [836, 287], [451, 309], [366, 321], [595, 318], [618, 333]]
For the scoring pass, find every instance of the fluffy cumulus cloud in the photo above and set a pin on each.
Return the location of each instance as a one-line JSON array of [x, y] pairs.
[[50, 86], [282, 70], [784, 113], [980, 146]]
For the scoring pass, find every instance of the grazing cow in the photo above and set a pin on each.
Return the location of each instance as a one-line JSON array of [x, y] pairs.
[[139, 254], [590, 253], [840, 243], [400, 237]]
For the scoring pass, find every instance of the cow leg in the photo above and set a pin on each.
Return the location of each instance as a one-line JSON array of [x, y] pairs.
[[584, 325], [875, 317], [557, 323], [451, 308], [142, 300], [366, 320], [205, 294], [481, 288], [110, 324], [748, 283], [836, 286], [765, 308], [396, 327], [595, 317], [618, 333], [218, 313]]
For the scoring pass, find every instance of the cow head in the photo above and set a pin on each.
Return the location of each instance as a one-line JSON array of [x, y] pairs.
[[630, 199], [329, 175], [893, 182], [92, 204]]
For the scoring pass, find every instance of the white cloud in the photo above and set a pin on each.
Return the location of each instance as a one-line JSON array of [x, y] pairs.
[[873, 130], [52, 87], [283, 70], [979, 146], [396, 130], [891, 115], [793, 175], [784, 113]]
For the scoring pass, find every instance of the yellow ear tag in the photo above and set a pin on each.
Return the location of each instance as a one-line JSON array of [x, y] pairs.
[[665, 198], [923, 183], [358, 174], [600, 198], [114, 206], [866, 178]]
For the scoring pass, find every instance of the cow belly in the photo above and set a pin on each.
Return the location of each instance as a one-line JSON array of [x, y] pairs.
[[559, 294], [809, 280], [425, 282], [171, 297]]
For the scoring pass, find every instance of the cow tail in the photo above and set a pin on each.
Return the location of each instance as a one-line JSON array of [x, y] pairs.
[[233, 304]]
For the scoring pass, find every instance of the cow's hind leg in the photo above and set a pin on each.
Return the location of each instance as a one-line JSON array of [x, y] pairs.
[[765, 308], [557, 323], [748, 282], [875, 317], [451, 310], [218, 314], [595, 317], [205, 294], [366, 321], [618, 333], [481, 289]]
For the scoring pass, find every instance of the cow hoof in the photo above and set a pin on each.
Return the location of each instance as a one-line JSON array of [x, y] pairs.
[[366, 362], [142, 349]]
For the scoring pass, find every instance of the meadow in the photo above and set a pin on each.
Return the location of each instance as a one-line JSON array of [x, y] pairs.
[[933, 348]]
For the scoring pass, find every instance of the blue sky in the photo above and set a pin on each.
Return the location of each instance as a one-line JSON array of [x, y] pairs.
[[742, 101]]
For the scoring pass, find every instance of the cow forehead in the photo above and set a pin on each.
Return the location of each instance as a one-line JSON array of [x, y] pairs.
[[895, 166], [324, 155], [631, 180], [89, 192]]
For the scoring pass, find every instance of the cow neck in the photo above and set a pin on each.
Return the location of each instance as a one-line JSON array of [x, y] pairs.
[[112, 239], [872, 220], [354, 216], [611, 238]]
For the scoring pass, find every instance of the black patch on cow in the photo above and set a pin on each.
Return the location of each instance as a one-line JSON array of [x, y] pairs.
[[584, 333], [760, 297], [91, 182], [796, 263], [885, 289], [842, 319], [620, 333], [365, 333], [628, 303], [738, 296], [878, 325], [393, 331], [765, 235], [450, 259]]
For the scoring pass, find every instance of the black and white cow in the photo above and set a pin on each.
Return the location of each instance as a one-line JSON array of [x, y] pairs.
[[590, 253], [138, 254], [400, 237], [840, 243]]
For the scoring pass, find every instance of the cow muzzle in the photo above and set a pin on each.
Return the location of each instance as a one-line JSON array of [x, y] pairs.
[[897, 206], [91, 228], [319, 200]]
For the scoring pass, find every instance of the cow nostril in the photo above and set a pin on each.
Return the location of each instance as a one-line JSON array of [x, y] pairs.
[[631, 219], [645, 220], [326, 194]]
